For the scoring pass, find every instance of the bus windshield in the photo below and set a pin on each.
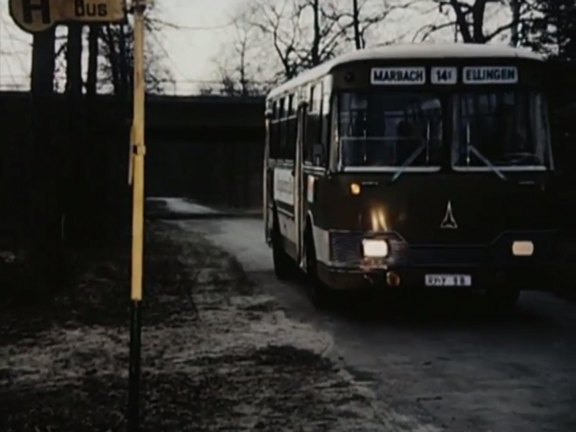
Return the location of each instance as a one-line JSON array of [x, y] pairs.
[[392, 129], [503, 130]]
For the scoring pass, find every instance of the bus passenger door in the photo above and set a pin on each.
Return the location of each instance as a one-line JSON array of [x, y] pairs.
[[299, 207], [267, 181]]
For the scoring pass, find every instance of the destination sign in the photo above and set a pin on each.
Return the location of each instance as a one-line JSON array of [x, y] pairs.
[[399, 76], [445, 75], [490, 75]]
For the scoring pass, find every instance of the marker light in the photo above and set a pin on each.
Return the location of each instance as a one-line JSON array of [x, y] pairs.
[[523, 248], [355, 189], [393, 279], [375, 248]]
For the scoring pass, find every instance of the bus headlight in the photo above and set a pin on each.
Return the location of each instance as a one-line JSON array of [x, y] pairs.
[[523, 248], [375, 248]]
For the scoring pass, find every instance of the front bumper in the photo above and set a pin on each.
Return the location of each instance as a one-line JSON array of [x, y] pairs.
[[486, 265], [534, 278]]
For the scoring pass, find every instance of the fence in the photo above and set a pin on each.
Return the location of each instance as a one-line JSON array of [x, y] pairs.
[[161, 87]]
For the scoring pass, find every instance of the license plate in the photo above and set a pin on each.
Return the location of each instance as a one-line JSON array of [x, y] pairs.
[[448, 280]]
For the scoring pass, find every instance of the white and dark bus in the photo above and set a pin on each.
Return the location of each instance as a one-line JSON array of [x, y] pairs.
[[413, 165]]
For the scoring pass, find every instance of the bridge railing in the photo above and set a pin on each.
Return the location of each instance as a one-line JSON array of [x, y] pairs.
[[161, 87]]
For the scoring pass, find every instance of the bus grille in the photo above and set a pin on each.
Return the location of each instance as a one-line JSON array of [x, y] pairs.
[[438, 256], [345, 247]]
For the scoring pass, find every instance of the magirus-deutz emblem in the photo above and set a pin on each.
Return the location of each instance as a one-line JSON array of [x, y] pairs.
[[449, 222]]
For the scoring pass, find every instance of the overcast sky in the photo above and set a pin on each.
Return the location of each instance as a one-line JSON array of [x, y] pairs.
[[193, 50], [188, 52]]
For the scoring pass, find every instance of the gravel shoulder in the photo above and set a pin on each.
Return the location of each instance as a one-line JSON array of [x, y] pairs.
[[219, 354]]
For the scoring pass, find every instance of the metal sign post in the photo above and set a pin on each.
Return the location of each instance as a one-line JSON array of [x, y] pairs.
[[137, 170]]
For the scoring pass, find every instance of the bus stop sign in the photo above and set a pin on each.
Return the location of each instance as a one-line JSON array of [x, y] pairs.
[[39, 15]]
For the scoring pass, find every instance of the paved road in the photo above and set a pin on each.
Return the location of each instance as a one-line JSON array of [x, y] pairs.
[[445, 365]]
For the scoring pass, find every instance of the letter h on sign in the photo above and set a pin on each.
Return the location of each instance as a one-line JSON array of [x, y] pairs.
[[31, 6]]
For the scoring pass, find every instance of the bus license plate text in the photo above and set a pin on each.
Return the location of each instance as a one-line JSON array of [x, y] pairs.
[[448, 280]]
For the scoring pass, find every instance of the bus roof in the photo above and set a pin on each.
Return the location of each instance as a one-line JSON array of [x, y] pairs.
[[409, 51]]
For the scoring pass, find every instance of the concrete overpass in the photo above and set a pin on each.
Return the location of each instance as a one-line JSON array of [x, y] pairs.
[[206, 116], [206, 147]]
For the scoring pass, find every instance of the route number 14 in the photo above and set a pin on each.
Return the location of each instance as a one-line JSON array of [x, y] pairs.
[[444, 75]]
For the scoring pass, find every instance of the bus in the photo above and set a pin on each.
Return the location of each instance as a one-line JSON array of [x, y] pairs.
[[413, 166]]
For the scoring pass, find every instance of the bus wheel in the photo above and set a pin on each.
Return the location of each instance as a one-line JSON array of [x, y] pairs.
[[502, 299], [283, 264], [320, 294]]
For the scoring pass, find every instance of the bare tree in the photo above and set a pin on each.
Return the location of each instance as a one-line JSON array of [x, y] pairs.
[[338, 26], [367, 15], [241, 67], [93, 52], [116, 51], [553, 31], [470, 19], [301, 34], [109, 57], [44, 243], [277, 21], [515, 6], [321, 33], [356, 21]]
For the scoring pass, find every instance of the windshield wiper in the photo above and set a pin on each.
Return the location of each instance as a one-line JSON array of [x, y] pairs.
[[414, 155], [481, 156], [409, 161], [487, 162]]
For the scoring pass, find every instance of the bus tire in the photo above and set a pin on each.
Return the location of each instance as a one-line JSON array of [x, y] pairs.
[[320, 294], [501, 299], [283, 264]]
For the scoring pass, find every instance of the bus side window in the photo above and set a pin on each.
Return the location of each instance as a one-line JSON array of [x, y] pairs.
[[325, 124], [314, 147], [282, 128], [308, 141], [291, 129], [277, 153], [273, 133]]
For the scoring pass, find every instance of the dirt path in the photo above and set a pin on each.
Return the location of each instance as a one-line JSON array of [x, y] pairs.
[[218, 354]]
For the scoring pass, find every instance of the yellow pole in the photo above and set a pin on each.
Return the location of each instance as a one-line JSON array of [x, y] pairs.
[[139, 151], [137, 172]]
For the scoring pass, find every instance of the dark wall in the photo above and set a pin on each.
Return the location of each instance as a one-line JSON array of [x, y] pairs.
[[89, 173], [13, 173], [224, 173], [209, 149], [205, 148]]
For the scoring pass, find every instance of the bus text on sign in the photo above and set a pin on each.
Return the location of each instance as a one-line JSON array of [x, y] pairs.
[[40, 15], [399, 75], [490, 75], [444, 75]]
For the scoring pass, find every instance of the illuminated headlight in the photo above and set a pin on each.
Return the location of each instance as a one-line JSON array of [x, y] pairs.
[[523, 248], [375, 248]]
